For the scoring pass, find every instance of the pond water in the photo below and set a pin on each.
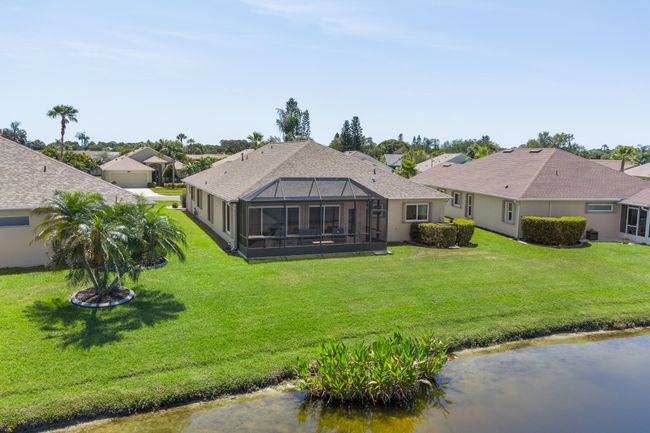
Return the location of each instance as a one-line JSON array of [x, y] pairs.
[[588, 384]]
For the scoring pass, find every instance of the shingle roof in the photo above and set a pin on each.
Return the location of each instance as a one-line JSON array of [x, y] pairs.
[[640, 198], [614, 164], [233, 179], [367, 158], [28, 178], [124, 163], [639, 171], [233, 157], [392, 159], [534, 174], [441, 159], [154, 159]]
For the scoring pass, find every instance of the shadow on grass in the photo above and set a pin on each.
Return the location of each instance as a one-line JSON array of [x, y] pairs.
[[86, 327]]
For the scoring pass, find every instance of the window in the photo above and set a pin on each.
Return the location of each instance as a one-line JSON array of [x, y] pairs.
[[255, 221], [326, 218], [192, 193], [272, 221], [227, 217], [456, 199], [509, 212], [600, 207], [469, 205], [416, 212], [199, 199], [210, 210], [14, 221], [293, 220]]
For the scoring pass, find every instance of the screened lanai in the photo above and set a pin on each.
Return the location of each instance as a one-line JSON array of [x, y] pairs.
[[299, 215]]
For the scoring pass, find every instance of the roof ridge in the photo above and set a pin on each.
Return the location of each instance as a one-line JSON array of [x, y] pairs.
[[552, 152], [66, 166]]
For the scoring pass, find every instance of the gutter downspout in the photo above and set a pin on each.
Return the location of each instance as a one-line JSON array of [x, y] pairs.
[[518, 216]]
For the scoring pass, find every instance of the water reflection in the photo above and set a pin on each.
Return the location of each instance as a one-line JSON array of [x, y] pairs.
[[360, 419], [598, 386]]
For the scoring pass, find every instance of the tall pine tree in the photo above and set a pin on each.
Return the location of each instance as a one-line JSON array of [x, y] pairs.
[[356, 134]]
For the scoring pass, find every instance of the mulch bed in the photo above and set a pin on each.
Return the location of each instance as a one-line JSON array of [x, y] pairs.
[[89, 298], [158, 264]]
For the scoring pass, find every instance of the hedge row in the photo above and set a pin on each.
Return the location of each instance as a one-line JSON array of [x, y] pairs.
[[561, 231], [442, 235]]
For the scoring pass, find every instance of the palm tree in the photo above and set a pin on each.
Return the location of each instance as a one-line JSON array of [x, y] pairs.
[[407, 169], [83, 139], [155, 235], [89, 239], [174, 150], [68, 114], [256, 139], [15, 130], [180, 137], [625, 154]]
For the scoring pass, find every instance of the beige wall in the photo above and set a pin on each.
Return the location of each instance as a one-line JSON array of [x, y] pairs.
[[607, 224], [128, 179], [398, 229], [488, 213], [217, 221], [15, 250]]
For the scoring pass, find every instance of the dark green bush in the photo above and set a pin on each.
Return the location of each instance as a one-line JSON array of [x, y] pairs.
[[390, 370], [561, 231], [174, 185], [465, 230], [434, 234], [175, 205], [184, 198], [151, 184]]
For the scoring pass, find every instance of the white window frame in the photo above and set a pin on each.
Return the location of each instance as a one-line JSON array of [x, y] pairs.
[[611, 208], [322, 216], [417, 205], [29, 221], [228, 222], [469, 205], [286, 219], [460, 198], [506, 205]]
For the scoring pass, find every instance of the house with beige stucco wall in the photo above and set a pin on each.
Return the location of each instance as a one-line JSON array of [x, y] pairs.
[[28, 180], [497, 190], [303, 198], [138, 169]]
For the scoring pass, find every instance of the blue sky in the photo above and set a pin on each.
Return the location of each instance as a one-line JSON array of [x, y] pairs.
[[442, 68]]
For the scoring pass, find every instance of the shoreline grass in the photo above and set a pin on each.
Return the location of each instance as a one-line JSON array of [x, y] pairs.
[[216, 325]]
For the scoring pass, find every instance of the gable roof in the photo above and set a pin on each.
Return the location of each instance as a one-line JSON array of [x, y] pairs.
[[232, 180], [367, 158], [455, 158], [641, 198], [124, 163], [392, 159], [614, 164], [639, 171], [233, 157], [29, 178], [532, 174]]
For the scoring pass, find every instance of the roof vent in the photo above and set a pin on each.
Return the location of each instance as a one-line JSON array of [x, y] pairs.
[[374, 171], [44, 168], [508, 150], [242, 156], [534, 150], [373, 179], [447, 165], [507, 186]]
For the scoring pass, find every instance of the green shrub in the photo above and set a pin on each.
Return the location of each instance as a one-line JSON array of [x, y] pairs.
[[184, 198], [175, 205], [465, 230], [437, 235], [174, 185], [553, 231], [390, 370], [151, 184]]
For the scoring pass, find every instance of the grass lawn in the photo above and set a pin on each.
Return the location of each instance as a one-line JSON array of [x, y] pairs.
[[216, 324], [168, 191]]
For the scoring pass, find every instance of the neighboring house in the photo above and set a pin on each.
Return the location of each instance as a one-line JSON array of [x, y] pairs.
[[367, 158], [614, 164], [302, 198], [233, 157], [205, 155], [497, 190], [100, 156], [138, 168], [393, 160], [445, 158], [28, 179], [641, 171]]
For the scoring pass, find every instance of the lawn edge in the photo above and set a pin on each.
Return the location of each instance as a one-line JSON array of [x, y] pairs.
[[217, 390]]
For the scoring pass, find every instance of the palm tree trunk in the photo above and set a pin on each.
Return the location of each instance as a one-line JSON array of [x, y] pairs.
[[623, 164], [62, 135]]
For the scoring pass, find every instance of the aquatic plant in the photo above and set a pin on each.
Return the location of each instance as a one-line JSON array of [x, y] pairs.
[[390, 370]]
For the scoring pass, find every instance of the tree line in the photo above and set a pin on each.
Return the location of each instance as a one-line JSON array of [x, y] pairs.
[[294, 124]]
